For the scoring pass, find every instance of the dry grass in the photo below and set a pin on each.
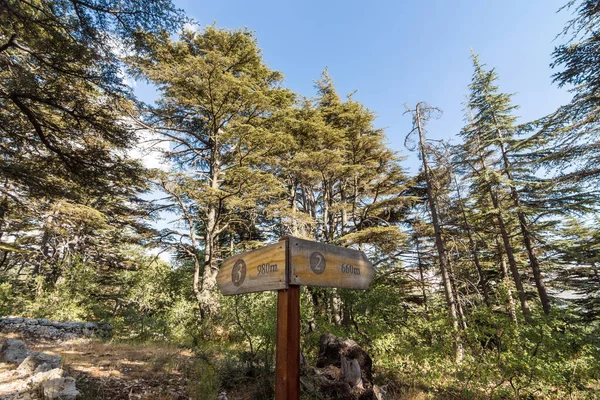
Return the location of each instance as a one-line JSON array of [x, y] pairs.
[[414, 394], [119, 370]]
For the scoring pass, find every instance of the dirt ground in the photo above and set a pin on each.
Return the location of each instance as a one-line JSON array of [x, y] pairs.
[[118, 371]]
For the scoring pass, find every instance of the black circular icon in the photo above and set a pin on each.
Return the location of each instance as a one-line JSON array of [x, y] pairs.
[[317, 263], [238, 273]]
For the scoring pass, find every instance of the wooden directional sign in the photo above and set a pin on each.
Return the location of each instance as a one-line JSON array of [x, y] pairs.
[[319, 264], [284, 266], [296, 262], [254, 271]]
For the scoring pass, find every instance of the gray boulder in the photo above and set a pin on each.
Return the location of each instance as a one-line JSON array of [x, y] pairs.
[[42, 377], [60, 388], [13, 351], [45, 328], [36, 360], [344, 371], [42, 368]]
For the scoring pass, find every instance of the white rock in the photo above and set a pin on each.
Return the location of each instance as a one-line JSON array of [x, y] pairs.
[[41, 377], [61, 388], [35, 359]]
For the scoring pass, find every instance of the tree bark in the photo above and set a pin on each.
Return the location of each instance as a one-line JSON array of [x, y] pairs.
[[209, 303], [524, 226], [473, 247], [439, 241], [459, 307], [511, 257], [3, 212], [507, 246], [421, 275], [511, 302], [335, 306]]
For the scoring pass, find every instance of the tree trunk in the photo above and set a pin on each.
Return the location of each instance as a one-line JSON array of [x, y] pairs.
[[473, 248], [439, 242], [3, 212], [294, 228], [312, 319], [325, 216], [421, 275], [344, 212], [507, 246], [209, 303], [336, 308], [511, 302], [527, 237], [459, 307], [511, 258]]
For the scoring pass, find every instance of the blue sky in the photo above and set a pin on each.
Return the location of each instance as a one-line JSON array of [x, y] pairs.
[[396, 52]]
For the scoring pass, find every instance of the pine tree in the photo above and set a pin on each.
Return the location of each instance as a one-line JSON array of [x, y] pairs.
[[421, 115], [343, 185], [62, 99], [571, 133], [216, 98], [69, 192], [493, 129]]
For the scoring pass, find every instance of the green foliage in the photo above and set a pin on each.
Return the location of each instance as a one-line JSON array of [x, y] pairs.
[[7, 298], [218, 119], [253, 318], [181, 320], [571, 133], [59, 79], [69, 299], [252, 162], [204, 380]]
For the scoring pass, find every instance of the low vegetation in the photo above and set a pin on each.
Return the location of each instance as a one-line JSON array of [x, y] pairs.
[[486, 259]]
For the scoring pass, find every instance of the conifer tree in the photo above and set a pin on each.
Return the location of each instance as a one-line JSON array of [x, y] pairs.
[[493, 129], [343, 185], [216, 97], [340, 174], [571, 133], [421, 115], [68, 187], [63, 101]]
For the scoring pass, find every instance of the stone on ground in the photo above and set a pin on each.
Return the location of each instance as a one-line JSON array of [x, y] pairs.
[[344, 371], [13, 351], [37, 360], [37, 376], [40, 377], [60, 388]]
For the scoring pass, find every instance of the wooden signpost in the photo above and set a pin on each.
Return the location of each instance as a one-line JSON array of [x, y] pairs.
[[254, 271], [284, 266]]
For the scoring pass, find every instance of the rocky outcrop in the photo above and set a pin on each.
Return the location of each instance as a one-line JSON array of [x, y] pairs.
[[338, 351], [37, 375], [13, 351], [61, 388], [46, 329], [343, 371], [39, 362]]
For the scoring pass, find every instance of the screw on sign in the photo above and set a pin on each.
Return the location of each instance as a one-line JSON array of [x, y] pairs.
[[285, 266]]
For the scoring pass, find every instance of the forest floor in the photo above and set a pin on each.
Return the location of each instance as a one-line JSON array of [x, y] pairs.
[[116, 371], [121, 370]]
